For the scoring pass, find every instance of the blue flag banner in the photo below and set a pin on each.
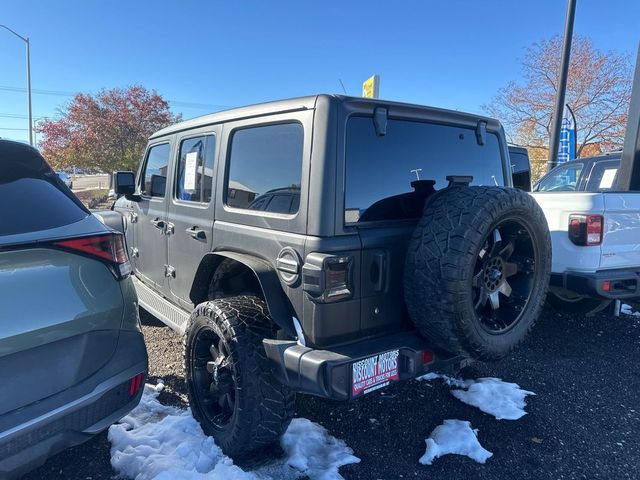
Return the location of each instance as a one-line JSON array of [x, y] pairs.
[[567, 147]]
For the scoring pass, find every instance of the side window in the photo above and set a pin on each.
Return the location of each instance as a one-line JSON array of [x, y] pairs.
[[564, 179], [265, 160], [155, 171], [603, 176], [194, 177]]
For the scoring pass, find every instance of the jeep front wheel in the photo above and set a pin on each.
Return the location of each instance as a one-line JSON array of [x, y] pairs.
[[477, 270], [232, 391]]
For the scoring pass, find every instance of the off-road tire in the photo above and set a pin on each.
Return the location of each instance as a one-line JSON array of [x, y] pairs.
[[441, 257], [263, 406]]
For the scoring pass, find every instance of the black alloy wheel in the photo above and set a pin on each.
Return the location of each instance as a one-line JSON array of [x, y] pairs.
[[214, 377], [503, 276]]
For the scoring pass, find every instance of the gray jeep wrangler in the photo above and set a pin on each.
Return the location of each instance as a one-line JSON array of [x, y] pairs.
[[332, 246]]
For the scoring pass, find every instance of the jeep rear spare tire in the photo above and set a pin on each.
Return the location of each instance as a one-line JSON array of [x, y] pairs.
[[477, 270]]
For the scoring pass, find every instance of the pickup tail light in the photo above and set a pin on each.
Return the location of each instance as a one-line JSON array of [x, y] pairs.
[[108, 248], [586, 230]]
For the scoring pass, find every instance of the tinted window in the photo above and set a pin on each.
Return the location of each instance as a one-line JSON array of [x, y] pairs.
[[603, 176], [519, 161], [279, 203], [264, 159], [521, 170], [32, 196], [380, 169], [155, 172], [563, 179], [195, 169]]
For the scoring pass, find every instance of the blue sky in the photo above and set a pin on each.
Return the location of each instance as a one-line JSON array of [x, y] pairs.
[[206, 56]]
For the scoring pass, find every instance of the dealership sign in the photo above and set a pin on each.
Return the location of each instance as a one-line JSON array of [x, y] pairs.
[[374, 372]]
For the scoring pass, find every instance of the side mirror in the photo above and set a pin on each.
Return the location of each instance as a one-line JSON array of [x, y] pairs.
[[124, 183]]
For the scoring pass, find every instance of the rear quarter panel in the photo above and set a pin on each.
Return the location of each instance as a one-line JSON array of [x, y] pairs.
[[557, 207], [621, 245]]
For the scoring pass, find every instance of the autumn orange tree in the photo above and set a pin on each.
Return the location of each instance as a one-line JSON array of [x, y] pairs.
[[598, 92], [106, 131]]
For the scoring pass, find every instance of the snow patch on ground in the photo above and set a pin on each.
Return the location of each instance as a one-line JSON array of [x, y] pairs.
[[628, 310], [161, 442], [451, 381], [457, 437], [503, 400], [313, 452]]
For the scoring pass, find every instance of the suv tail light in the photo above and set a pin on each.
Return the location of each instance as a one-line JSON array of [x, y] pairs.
[[108, 248], [586, 230], [327, 278]]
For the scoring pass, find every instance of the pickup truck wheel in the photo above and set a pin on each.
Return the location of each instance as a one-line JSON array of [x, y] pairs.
[[477, 270], [570, 302], [231, 388]]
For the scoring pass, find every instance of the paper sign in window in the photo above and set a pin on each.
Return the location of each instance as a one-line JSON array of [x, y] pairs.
[[608, 177], [191, 165]]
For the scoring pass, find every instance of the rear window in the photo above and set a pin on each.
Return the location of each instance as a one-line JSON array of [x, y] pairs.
[[603, 176], [380, 169], [32, 196]]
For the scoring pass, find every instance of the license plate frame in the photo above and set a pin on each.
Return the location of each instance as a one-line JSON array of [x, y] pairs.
[[375, 372]]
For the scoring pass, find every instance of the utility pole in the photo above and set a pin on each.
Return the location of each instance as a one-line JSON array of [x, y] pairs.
[[629, 173], [29, 91], [556, 123], [26, 41]]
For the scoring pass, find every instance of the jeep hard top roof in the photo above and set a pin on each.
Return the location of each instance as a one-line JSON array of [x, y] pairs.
[[305, 103]]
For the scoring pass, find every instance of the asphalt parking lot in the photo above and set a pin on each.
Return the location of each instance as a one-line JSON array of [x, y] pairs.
[[583, 422], [90, 182]]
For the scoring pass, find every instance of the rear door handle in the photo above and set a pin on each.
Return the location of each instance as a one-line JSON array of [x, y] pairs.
[[159, 224], [196, 233]]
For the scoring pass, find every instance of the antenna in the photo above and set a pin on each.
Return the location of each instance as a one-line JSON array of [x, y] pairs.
[[343, 89], [417, 172]]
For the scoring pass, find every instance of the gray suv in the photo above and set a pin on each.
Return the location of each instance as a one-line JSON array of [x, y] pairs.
[[72, 355], [331, 246]]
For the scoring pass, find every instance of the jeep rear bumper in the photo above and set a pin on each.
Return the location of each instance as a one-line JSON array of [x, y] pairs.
[[328, 373], [620, 283]]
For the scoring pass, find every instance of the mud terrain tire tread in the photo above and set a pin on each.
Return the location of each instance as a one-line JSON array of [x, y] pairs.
[[440, 261], [264, 407]]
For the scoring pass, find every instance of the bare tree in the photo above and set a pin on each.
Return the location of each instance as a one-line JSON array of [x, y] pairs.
[[598, 92]]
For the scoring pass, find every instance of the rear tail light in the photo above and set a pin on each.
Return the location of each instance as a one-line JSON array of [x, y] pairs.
[[136, 384], [586, 230], [108, 248], [427, 357], [327, 278]]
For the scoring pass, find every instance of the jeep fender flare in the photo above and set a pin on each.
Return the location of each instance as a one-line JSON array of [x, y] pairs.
[[274, 296]]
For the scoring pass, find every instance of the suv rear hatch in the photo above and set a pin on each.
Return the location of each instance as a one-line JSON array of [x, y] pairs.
[[388, 179], [60, 311]]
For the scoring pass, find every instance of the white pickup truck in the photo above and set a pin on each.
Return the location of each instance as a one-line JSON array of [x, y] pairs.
[[595, 234]]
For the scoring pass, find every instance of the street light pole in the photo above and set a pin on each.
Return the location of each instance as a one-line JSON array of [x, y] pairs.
[[556, 120], [26, 41], [29, 91]]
